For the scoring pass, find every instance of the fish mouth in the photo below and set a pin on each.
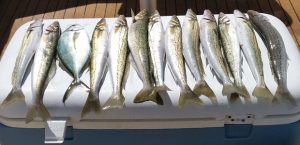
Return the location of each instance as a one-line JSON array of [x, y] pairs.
[[53, 27], [223, 18], [36, 23], [174, 22], [141, 15], [207, 15], [191, 15], [101, 25], [252, 13], [121, 21], [239, 14], [75, 27]]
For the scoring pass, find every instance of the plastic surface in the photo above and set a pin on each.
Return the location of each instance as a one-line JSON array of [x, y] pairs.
[[259, 135], [149, 111]]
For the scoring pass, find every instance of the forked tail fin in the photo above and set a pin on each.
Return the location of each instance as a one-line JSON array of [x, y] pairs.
[[188, 96], [115, 101], [148, 94], [92, 104], [14, 96], [162, 88], [202, 88], [229, 89], [37, 110], [263, 92], [284, 95], [75, 84]]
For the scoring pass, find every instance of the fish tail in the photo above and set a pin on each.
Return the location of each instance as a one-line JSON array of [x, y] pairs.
[[148, 94], [37, 110], [162, 88], [202, 88], [243, 91], [262, 92], [75, 84], [186, 96], [13, 96], [229, 89], [284, 94], [115, 101], [92, 104]]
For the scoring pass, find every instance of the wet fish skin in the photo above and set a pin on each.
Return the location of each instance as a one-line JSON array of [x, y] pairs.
[[43, 70], [192, 54], [74, 51], [138, 45], [98, 66], [176, 62], [213, 52], [251, 51], [232, 51], [157, 50], [118, 53], [29, 45], [277, 54]]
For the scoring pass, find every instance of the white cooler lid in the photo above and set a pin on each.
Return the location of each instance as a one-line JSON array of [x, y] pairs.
[[148, 114]]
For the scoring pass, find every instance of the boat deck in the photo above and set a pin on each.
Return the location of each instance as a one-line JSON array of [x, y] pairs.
[[14, 13]]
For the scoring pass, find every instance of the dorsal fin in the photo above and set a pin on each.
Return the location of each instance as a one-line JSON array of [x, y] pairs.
[[133, 16]]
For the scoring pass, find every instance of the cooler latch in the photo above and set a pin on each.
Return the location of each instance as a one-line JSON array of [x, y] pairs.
[[55, 131], [238, 126], [239, 119]]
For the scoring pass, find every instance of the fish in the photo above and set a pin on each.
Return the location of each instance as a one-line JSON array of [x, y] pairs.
[[232, 52], [74, 51], [43, 70], [251, 51], [98, 66], [23, 62], [209, 37], [176, 62], [118, 54], [157, 50], [277, 55], [192, 54], [139, 51]]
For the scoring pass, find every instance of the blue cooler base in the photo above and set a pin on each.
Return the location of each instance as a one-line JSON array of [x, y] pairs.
[[228, 135]]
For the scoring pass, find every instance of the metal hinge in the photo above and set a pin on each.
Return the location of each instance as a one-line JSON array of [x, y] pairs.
[[239, 119], [55, 131]]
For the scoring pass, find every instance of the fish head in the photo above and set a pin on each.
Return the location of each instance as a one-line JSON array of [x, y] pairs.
[[252, 13], [174, 22], [223, 19], [141, 15], [121, 21], [101, 25], [239, 14], [154, 18], [75, 27], [208, 16], [36, 24], [190, 15], [54, 27]]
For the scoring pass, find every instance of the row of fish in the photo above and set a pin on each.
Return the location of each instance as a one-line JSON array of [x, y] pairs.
[[147, 47]]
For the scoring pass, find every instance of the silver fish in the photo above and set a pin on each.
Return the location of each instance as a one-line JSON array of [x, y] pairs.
[[213, 52], [232, 52], [98, 66], [43, 70], [74, 51], [157, 50], [277, 54], [29, 45], [138, 45], [192, 54], [176, 62], [252, 54], [118, 53]]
